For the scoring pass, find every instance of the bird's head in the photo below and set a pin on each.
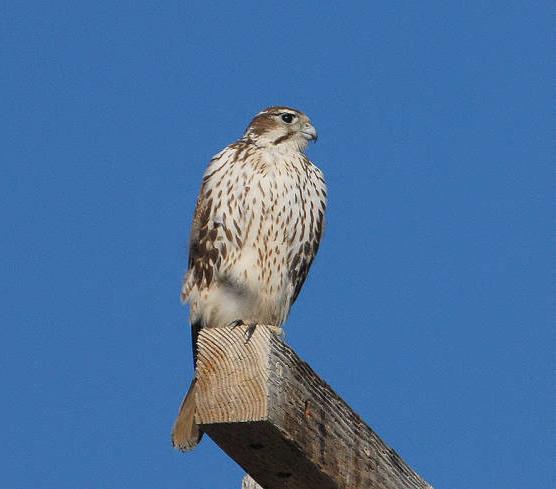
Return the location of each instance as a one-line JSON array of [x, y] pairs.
[[281, 127]]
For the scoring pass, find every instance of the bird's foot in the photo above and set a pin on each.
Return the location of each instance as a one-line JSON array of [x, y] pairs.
[[236, 323], [251, 326]]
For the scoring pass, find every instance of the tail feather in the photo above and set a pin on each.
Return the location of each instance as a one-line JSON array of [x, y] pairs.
[[186, 434]]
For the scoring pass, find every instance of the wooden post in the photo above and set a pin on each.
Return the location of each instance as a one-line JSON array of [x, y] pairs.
[[268, 410], [248, 483]]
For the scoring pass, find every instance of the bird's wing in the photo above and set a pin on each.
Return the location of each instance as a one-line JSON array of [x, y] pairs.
[[211, 236], [310, 232]]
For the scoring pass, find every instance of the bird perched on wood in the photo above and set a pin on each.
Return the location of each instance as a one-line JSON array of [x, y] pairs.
[[256, 229]]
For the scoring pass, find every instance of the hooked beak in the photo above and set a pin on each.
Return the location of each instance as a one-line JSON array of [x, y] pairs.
[[309, 132]]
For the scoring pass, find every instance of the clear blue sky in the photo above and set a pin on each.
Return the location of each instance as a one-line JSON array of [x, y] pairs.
[[430, 307]]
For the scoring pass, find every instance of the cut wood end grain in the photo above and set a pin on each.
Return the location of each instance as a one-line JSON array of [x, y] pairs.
[[231, 383]]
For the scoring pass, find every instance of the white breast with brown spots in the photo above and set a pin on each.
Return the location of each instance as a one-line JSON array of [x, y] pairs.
[[265, 221]]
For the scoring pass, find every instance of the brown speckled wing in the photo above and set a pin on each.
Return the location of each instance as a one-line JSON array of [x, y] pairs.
[[203, 254], [312, 226], [210, 238]]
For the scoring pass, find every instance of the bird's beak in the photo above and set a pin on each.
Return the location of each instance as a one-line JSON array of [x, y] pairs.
[[309, 132]]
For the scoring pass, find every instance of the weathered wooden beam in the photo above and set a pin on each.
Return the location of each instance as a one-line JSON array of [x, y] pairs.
[[269, 411], [249, 483]]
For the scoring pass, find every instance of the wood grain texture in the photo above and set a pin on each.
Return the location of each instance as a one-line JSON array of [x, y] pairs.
[[249, 483], [269, 411]]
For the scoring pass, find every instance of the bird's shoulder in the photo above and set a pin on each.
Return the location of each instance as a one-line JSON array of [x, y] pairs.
[[233, 155]]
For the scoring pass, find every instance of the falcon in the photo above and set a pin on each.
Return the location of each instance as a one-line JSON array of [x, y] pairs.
[[256, 230]]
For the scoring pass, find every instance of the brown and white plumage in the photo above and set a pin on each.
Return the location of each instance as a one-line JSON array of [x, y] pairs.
[[256, 229]]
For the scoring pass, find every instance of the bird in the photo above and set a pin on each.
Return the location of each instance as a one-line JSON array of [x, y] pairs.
[[256, 229]]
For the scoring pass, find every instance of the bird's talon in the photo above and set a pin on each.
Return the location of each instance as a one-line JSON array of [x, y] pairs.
[[250, 331], [236, 323], [251, 327]]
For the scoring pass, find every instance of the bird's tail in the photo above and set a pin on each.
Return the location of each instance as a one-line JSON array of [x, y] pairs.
[[185, 433]]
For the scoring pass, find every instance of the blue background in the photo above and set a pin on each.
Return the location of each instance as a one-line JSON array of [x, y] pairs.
[[430, 307]]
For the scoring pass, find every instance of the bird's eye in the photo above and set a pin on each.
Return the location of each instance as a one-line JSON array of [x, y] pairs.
[[287, 118]]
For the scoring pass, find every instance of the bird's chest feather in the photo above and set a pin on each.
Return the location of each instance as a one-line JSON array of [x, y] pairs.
[[273, 203], [270, 199]]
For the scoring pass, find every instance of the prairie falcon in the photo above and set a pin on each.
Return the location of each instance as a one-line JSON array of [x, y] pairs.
[[256, 229]]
